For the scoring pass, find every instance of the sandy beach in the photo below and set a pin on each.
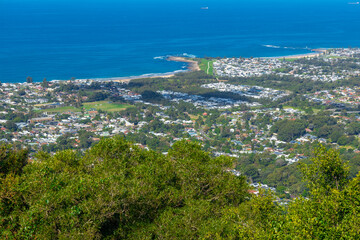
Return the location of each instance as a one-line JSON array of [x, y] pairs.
[[314, 53], [123, 79], [193, 65], [128, 79]]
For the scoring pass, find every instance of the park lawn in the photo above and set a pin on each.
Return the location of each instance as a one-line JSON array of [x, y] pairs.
[[62, 109], [105, 106], [207, 66], [100, 105]]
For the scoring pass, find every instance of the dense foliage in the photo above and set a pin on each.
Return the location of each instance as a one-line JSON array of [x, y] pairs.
[[118, 191]]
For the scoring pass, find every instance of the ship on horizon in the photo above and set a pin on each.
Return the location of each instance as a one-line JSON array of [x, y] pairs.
[[204, 8]]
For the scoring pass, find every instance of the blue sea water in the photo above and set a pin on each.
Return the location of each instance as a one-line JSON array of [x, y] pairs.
[[61, 39]]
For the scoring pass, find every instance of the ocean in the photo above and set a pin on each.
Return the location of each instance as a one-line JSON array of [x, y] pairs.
[[61, 39]]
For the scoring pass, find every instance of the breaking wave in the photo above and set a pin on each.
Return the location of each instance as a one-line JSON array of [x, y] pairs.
[[271, 46], [292, 48], [160, 58], [188, 55]]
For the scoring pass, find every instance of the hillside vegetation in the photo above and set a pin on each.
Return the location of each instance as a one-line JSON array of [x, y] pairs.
[[116, 190]]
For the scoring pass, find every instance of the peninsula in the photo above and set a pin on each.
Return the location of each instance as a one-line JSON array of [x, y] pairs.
[[193, 65]]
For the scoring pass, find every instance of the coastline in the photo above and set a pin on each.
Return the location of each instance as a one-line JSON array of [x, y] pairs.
[[315, 53], [125, 79], [192, 66]]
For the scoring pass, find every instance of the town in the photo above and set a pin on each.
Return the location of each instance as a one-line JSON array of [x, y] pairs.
[[266, 131], [321, 68]]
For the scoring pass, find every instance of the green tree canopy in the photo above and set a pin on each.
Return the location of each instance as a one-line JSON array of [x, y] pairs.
[[117, 191]]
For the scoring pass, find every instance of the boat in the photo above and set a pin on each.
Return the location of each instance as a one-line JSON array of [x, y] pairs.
[[205, 8]]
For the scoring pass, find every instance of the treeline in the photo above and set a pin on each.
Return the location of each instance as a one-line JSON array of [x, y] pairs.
[[321, 125], [118, 191], [181, 82], [189, 83]]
